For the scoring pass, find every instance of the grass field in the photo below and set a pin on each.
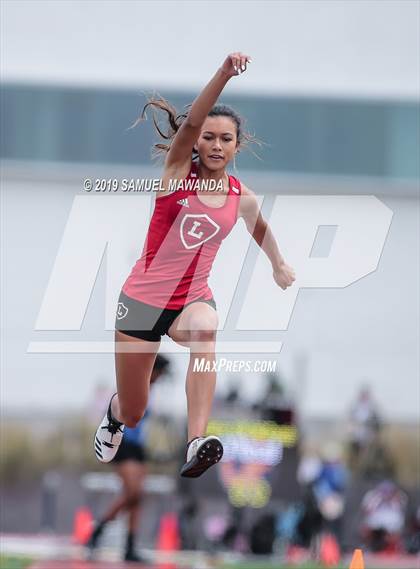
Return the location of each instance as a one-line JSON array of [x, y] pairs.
[[7, 562]]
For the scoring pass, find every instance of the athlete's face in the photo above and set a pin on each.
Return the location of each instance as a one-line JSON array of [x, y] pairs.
[[217, 142]]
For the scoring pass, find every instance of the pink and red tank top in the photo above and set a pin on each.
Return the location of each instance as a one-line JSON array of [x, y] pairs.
[[183, 238]]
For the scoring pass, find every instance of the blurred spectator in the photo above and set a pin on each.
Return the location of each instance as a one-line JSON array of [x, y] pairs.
[[274, 404], [329, 488], [129, 464], [364, 425], [412, 538], [310, 466], [376, 462], [324, 480], [383, 517]]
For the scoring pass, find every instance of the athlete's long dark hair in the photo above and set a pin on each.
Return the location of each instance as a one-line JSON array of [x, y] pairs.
[[175, 120]]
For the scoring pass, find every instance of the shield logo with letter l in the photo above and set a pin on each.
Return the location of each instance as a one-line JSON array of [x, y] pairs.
[[121, 311], [196, 229]]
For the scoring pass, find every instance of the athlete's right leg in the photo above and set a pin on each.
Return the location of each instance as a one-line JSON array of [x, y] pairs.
[[134, 359]]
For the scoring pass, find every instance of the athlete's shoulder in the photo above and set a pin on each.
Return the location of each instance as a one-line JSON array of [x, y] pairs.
[[246, 191], [249, 203]]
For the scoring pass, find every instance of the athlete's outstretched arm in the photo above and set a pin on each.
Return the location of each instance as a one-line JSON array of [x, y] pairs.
[[186, 137], [256, 225]]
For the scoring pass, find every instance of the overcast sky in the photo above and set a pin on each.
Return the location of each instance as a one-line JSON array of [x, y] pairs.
[[366, 48]]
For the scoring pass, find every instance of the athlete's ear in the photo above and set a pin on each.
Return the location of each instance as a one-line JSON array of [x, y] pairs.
[[195, 148]]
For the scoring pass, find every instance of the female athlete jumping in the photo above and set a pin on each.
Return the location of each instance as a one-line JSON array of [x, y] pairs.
[[167, 291]]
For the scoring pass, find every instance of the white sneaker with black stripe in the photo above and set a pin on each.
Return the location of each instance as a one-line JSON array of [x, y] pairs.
[[108, 437], [202, 453]]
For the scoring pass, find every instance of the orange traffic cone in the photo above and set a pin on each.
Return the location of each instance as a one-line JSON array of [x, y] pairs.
[[357, 561], [82, 526], [168, 539]]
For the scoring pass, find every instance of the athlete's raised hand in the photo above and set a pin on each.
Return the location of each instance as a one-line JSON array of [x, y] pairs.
[[178, 158], [284, 276], [235, 63]]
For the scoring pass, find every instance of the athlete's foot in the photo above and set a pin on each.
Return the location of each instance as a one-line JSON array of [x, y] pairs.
[[202, 453], [108, 437]]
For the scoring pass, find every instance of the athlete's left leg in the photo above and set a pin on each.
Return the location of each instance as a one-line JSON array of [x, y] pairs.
[[196, 327]]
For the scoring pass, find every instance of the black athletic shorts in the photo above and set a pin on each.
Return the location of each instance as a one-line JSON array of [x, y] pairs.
[[130, 451], [147, 322]]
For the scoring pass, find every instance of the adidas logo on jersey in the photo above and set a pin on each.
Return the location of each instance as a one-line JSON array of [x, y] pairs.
[[184, 202]]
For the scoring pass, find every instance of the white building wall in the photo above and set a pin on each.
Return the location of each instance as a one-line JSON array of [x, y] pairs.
[[309, 47]]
